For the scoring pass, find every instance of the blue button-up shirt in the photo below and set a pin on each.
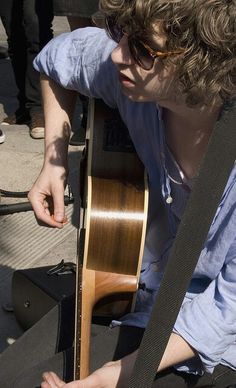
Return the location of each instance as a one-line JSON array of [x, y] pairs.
[[207, 320]]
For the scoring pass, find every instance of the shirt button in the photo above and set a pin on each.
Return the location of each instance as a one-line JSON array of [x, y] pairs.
[[169, 200]]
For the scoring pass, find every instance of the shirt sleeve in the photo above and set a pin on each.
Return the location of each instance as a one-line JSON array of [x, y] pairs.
[[81, 61], [208, 321]]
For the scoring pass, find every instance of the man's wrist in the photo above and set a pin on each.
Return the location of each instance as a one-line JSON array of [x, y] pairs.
[[56, 152]]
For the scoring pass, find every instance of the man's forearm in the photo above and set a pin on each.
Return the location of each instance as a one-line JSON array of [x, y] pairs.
[[177, 351], [58, 109], [58, 104]]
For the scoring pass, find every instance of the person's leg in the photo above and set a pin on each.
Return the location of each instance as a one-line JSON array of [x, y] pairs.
[[37, 18], [12, 18], [4, 15]]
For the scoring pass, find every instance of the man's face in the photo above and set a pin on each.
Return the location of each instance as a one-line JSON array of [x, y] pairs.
[[138, 84]]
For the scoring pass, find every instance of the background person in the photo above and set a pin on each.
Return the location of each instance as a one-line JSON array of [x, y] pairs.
[[28, 25]]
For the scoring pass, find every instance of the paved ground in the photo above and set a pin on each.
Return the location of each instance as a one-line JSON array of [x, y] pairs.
[[23, 243]]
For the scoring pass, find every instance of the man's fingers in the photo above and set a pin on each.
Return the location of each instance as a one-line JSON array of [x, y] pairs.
[[42, 212], [59, 208], [47, 197], [51, 380], [44, 384]]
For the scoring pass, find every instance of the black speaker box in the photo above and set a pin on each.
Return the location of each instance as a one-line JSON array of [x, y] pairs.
[[36, 290]]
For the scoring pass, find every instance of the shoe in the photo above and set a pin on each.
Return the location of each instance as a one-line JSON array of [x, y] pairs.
[[37, 125], [17, 119], [2, 136]]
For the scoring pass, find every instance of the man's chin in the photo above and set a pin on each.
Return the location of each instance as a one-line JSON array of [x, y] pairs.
[[134, 97]]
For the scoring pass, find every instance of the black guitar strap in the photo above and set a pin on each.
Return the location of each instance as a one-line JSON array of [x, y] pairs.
[[200, 210]]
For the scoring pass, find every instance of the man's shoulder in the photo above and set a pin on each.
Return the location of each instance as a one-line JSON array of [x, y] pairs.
[[91, 40], [84, 44]]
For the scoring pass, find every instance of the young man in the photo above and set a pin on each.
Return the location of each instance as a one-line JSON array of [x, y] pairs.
[[169, 67]]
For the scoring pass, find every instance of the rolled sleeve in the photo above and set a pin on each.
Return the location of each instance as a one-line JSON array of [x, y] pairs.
[[208, 321], [81, 61]]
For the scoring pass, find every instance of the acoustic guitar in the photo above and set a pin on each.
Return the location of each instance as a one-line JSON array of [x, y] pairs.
[[113, 226]]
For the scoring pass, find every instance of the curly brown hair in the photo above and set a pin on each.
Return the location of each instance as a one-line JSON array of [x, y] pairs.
[[206, 29]]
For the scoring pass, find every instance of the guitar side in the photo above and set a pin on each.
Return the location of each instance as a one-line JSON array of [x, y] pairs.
[[114, 222]]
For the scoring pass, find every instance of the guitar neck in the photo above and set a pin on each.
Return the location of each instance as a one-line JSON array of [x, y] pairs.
[[78, 323]]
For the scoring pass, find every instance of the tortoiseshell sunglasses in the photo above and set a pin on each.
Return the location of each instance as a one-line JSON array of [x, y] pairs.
[[143, 55]]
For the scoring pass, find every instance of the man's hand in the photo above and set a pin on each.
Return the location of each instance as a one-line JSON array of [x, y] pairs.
[[114, 374], [47, 196], [105, 377]]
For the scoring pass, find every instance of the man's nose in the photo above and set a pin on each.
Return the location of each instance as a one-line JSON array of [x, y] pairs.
[[121, 54]]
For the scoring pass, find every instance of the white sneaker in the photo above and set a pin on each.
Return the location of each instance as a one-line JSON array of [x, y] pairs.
[[2, 136]]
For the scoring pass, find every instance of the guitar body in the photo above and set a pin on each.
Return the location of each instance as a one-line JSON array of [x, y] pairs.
[[112, 234]]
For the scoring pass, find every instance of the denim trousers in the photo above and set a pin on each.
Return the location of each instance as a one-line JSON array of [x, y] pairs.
[[28, 25], [48, 345]]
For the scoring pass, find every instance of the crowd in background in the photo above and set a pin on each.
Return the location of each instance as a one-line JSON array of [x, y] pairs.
[[28, 26]]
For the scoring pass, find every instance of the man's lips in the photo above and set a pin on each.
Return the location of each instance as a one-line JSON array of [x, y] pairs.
[[124, 78]]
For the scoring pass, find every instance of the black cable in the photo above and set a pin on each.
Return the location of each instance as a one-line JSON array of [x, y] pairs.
[[20, 194], [13, 194], [25, 206]]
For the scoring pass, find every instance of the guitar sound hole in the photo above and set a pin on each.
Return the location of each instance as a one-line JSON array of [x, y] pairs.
[[116, 136]]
